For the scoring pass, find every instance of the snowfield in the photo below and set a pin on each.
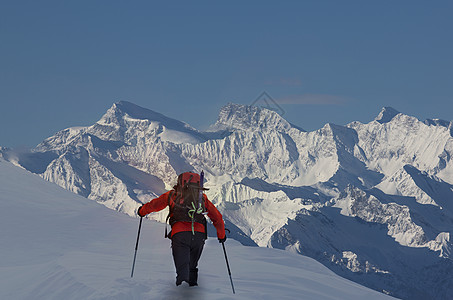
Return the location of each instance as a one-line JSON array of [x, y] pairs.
[[58, 245]]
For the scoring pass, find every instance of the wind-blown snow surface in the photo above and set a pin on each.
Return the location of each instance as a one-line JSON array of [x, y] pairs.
[[373, 202], [57, 245]]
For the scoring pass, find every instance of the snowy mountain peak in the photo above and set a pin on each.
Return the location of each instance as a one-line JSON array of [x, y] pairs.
[[386, 115], [126, 110], [127, 116], [237, 116]]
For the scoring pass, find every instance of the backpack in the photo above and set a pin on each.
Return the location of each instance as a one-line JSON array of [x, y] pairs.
[[186, 201]]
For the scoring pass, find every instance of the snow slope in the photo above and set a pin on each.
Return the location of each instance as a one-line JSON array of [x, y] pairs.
[[58, 245], [371, 201]]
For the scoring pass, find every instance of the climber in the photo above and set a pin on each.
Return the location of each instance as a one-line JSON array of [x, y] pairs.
[[188, 206]]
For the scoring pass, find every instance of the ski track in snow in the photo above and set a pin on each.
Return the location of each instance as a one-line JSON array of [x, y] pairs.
[[58, 245]]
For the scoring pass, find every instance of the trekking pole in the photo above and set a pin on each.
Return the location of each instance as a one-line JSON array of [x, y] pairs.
[[136, 246], [228, 266]]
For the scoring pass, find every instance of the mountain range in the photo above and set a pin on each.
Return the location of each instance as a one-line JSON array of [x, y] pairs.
[[373, 202]]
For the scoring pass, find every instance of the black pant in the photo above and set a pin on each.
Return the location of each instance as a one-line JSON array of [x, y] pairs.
[[186, 249]]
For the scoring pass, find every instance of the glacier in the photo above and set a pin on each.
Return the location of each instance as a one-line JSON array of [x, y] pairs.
[[371, 201]]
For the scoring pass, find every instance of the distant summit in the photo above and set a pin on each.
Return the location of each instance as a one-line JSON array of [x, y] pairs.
[[386, 115], [123, 113], [237, 116], [122, 109]]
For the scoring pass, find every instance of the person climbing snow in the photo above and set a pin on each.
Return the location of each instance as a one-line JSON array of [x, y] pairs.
[[187, 208]]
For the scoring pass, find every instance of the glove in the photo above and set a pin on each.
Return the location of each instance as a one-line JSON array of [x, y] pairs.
[[138, 211], [222, 240]]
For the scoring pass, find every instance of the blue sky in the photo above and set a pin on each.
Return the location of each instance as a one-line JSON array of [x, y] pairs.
[[64, 63]]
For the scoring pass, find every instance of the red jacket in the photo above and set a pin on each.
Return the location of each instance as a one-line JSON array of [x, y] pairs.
[[161, 202]]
